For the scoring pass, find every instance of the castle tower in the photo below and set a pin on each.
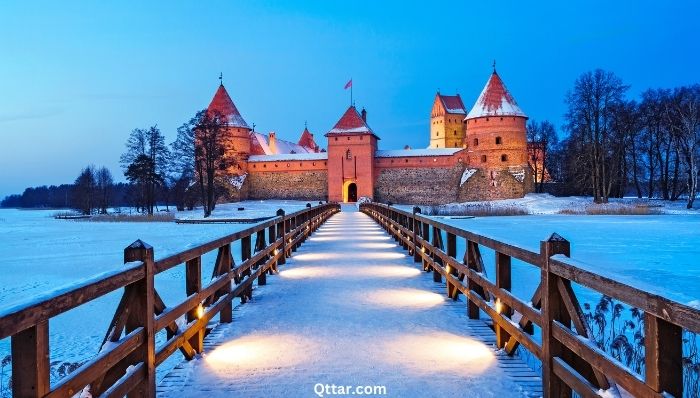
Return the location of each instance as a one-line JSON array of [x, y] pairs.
[[495, 126], [307, 140], [237, 126], [351, 148], [447, 127]]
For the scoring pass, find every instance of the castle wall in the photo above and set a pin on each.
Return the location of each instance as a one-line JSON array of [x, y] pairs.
[[485, 152], [495, 184], [301, 180]]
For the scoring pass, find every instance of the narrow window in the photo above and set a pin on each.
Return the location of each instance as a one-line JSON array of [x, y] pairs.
[[476, 142], [455, 132], [483, 158], [504, 158], [498, 141], [348, 155]]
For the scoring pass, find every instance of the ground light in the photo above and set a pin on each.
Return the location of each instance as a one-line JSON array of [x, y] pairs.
[[403, 298], [439, 352], [261, 351]]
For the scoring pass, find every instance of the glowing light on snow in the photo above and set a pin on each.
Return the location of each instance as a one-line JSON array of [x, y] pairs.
[[375, 271], [199, 312], [260, 351], [404, 298], [439, 352], [376, 245], [308, 272]]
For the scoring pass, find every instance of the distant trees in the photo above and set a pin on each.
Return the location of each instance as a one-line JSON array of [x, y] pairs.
[[103, 186], [204, 142], [145, 165], [616, 145]]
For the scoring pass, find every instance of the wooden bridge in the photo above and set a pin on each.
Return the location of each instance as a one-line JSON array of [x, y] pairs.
[[351, 309]]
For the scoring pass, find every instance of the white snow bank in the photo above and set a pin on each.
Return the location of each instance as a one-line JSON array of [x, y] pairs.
[[468, 173]]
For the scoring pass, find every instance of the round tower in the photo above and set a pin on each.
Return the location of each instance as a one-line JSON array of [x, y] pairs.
[[496, 133], [238, 130]]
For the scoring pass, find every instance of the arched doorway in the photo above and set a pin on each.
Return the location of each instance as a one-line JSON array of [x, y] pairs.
[[352, 192]]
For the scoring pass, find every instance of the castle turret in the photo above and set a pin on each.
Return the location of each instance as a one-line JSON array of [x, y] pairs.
[[495, 128], [238, 128], [447, 122], [351, 149]]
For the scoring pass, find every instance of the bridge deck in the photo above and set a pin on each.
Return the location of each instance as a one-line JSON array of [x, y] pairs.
[[350, 308]]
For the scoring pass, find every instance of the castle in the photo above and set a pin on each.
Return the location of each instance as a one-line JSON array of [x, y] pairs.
[[477, 155]]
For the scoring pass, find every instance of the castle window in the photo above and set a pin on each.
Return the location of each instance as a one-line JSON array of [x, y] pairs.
[[348, 138], [361, 137], [499, 141], [276, 165], [483, 158], [287, 164], [313, 164], [336, 138], [437, 134], [406, 160], [476, 142], [455, 132], [504, 158], [348, 155]]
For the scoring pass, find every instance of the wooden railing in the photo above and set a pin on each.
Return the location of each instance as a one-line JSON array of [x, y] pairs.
[[570, 361], [128, 356]]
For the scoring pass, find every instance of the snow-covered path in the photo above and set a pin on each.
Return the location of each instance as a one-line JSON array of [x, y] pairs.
[[348, 309]]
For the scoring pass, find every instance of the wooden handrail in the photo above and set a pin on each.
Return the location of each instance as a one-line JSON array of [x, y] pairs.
[[570, 361], [127, 365]]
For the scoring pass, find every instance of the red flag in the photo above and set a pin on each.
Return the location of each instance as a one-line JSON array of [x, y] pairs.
[[348, 84]]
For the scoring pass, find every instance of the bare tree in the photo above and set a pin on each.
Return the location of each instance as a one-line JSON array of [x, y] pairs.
[[104, 182], [204, 142], [542, 137], [683, 111], [589, 117]]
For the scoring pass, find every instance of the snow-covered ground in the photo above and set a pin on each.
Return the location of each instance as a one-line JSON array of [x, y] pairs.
[[40, 254], [547, 204], [252, 209]]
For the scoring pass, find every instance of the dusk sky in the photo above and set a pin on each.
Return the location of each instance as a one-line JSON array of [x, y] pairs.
[[77, 77]]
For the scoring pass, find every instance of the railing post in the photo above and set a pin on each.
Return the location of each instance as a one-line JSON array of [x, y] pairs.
[[281, 234], [246, 255], [425, 234], [663, 343], [226, 314], [30, 361], [415, 228], [472, 253], [193, 285], [437, 239], [452, 290], [552, 310], [503, 281], [143, 316]]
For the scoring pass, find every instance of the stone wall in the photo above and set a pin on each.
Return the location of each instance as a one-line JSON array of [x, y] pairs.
[[495, 184], [301, 185], [425, 186]]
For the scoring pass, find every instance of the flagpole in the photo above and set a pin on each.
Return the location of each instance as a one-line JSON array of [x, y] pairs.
[[350, 92]]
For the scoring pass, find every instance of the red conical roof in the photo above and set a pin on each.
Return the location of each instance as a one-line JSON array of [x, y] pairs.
[[351, 123], [223, 104], [495, 100], [307, 140]]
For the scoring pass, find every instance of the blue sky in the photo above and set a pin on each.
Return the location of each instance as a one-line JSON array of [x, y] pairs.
[[77, 77]]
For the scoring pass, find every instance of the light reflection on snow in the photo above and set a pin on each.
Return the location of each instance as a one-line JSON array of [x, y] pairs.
[[376, 245], [381, 271], [260, 351], [403, 298], [439, 352]]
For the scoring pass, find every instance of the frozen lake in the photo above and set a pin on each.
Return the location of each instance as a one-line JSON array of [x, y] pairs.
[[656, 253]]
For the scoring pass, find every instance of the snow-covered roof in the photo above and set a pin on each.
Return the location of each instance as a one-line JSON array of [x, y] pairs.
[[399, 153], [288, 156], [495, 100], [223, 104], [453, 104], [351, 123]]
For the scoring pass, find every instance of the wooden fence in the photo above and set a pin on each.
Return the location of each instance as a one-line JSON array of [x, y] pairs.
[[128, 356], [570, 361]]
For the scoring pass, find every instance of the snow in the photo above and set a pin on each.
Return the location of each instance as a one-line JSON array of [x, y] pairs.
[[517, 172], [466, 175], [283, 146], [396, 153], [361, 129], [289, 157], [41, 254], [459, 111], [237, 181], [504, 109], [253, 209], [346, 312]]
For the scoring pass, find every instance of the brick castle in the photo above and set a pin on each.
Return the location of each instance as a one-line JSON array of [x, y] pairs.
[[477, 155]]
